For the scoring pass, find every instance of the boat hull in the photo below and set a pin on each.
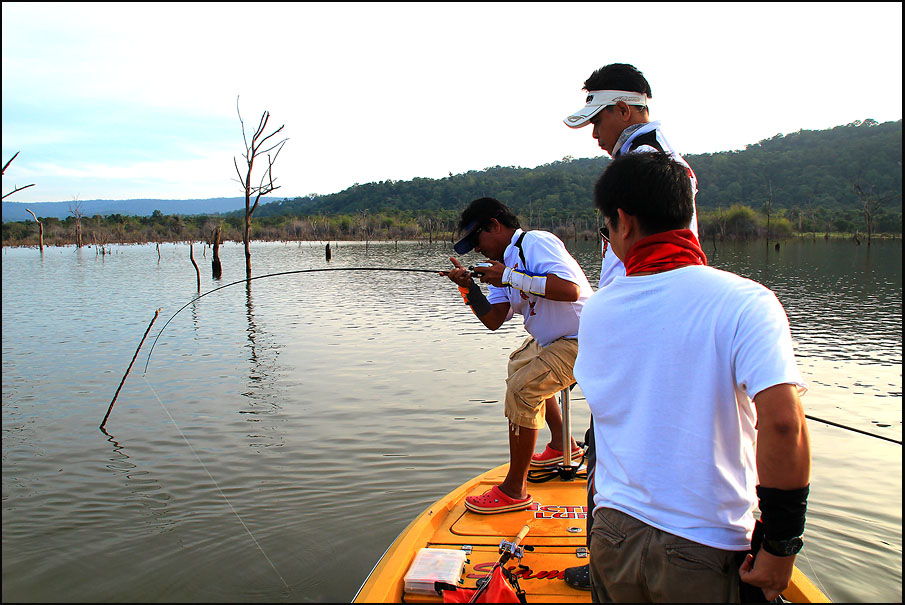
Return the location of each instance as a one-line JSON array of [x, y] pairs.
[[557, 538]]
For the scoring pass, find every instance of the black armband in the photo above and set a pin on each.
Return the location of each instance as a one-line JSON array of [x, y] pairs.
[[782, 511], [474, 298]]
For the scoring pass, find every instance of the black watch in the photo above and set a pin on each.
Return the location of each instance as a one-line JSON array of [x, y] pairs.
[[783, 548]]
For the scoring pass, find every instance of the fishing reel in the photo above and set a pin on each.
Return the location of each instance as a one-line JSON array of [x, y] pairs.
[[508, 551], [477, 269], [513, 549]]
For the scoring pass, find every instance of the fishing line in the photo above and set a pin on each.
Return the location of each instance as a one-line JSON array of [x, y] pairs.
[[242, 281], [217, 485], [848, 428], [814, 571]]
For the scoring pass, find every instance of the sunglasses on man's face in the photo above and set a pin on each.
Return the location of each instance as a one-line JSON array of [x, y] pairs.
[[474, 236], [604, 232]]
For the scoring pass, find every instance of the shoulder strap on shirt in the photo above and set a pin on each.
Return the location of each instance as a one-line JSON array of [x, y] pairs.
[[649, 139], [521, 253]]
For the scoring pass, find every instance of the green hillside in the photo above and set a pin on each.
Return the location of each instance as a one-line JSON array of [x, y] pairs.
[[805, 168], [812, 176]]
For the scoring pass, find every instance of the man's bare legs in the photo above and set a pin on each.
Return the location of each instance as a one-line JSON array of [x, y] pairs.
[[521, 447], [553, 417]]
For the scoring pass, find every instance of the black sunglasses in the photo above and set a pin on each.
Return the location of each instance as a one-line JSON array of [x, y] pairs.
[[604, 233], [473, 238]]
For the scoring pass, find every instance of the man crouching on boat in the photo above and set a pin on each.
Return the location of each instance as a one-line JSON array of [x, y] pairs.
[[670, 357], [530, 273]]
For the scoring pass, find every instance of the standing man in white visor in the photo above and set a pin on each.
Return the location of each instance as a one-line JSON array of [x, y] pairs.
[[617, 107]]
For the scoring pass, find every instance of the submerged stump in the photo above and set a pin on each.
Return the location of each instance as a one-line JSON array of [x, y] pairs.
[[216, 270]]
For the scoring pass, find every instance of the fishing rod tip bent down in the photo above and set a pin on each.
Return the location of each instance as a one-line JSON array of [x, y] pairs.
[[296, 271], [241, 281], [475, 269]]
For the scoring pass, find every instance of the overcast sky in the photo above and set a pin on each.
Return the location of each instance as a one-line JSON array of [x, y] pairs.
[[124, 101]]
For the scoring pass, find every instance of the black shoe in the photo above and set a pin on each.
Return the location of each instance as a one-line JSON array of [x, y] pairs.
[[578, 577]]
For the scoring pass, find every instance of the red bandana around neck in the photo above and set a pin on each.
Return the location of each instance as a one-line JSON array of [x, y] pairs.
[[664, 251]]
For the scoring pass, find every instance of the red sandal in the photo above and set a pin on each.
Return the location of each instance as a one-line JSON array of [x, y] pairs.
[[551, 457], [495, 501]]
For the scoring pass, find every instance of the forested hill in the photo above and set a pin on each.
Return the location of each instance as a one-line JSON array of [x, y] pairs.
[[816, 169]]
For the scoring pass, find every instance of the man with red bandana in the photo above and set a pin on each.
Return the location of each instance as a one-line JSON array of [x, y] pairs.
[[617, 107], [693, 387]]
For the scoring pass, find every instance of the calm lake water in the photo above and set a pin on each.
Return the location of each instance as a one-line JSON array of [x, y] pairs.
[[284, 433]]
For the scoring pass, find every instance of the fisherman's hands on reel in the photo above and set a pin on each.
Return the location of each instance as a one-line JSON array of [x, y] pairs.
[[491, 315], [488, 272], [458, 274]]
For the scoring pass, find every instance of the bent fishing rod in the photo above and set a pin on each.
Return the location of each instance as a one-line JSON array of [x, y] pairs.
[[242, 281], [408, 270]]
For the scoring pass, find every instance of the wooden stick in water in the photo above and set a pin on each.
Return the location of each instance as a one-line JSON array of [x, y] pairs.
[[110, 409], [194, 264]]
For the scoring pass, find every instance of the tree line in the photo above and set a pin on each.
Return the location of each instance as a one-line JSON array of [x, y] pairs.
[[736, 222], [843, 180]]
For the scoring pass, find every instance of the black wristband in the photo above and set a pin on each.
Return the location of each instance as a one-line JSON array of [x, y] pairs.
[[476, 300], [782, 511]]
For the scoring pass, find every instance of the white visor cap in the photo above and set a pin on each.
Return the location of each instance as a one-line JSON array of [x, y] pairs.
[[598, 99]]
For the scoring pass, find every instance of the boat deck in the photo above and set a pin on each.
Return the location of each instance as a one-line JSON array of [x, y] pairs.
[[557, 534], [556, 522]]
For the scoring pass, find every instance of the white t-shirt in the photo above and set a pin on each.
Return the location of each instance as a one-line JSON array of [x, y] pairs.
[[640, 138], [670, 363], [546, 320]]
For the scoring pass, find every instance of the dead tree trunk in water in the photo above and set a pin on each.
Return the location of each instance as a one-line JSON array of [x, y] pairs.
[[216, 270], [194, 264], [266, 186], [99, 248], [40, 230], [75, 209], [115, 395], [870, 206]]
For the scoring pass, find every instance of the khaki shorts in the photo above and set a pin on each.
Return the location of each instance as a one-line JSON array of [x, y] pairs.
[[535, 374]]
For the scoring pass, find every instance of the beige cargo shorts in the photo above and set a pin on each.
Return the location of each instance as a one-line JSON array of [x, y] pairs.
[[535, 374]]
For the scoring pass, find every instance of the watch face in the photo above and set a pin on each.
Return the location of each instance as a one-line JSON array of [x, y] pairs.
[[783, 548]]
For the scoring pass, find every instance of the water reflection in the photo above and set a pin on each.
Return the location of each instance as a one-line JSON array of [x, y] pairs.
[[142, 485], [194, 312], [262, 396], [249, 313], [331, 408]]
